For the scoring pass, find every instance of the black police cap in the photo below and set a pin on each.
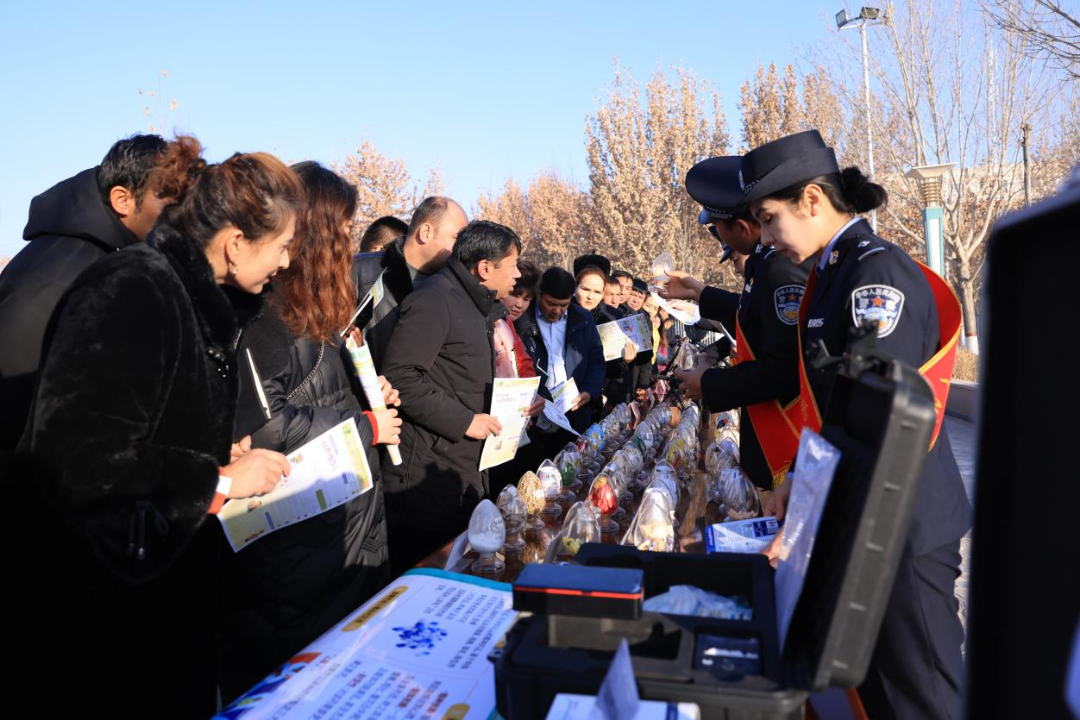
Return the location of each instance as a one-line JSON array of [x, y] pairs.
[[785, 162], [583, 261], [714, 183]]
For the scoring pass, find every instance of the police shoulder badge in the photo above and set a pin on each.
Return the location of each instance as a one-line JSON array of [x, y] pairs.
[[786, 299], [880, 305]]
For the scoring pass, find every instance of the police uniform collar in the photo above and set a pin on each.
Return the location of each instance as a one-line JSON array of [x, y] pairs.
[[785, 162], [827, 252], [714, 183], [843, 243]]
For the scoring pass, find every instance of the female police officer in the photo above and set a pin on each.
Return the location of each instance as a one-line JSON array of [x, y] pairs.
[[806, 206]]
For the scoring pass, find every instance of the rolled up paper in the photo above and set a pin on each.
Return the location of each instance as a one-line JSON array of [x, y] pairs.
[[369, 381]]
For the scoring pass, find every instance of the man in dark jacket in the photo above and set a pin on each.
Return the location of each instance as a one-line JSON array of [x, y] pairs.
[[642, 366], [562, 338], [405, 264], [441, 359], [71, 225]]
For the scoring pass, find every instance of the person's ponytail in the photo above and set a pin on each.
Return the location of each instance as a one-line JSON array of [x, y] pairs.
[[253, 192], [850, 192], [180, 164], [860, 194]]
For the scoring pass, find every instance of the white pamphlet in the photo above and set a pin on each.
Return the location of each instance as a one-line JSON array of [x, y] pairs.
[[327, 472], [510, 398], [551, 412], [564, 395]]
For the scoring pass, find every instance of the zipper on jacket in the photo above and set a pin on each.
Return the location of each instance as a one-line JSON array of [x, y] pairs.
[[137, 528]]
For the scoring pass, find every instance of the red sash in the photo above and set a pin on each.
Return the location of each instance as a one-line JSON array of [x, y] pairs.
[[776, 426], [937, 370]]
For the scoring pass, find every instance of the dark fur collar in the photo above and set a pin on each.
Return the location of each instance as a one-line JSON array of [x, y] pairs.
[[398, 279], [221, 312], [482, 296]]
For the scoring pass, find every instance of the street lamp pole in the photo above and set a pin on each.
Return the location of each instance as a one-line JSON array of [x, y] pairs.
[[866, 100], [843, 20]]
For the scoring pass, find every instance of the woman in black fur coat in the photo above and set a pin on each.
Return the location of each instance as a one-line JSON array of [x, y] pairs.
[[293, 585], [131, 438]]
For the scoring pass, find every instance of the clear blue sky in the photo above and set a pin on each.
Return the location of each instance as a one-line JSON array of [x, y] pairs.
[[479, 89]]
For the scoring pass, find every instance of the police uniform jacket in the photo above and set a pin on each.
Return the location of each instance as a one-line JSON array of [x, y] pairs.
[[867, 278], [768, 311]]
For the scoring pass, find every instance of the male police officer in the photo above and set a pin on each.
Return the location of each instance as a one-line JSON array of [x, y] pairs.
[[764, 383]]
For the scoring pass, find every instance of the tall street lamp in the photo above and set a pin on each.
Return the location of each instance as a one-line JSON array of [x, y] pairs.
[[866, 16], [929, 177]]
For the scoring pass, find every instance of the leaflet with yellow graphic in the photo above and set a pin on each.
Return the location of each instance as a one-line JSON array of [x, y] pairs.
[[329, 471]]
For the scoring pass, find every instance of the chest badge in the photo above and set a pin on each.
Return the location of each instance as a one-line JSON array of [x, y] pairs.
[[786, 299], [834, 257], [879, 305]]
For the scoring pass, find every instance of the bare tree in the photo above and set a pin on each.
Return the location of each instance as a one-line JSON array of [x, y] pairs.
[[771, 106], [639, 148], [384, 186], [1042, 28], [551, 215], [951, 89]]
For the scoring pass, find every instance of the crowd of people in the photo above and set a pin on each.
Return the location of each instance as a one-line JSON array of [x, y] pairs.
[[148, 288], [176, 328]]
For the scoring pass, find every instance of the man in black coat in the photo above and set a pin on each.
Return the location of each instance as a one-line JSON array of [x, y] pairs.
[[551, 319], [441, 359], [405, 264], [641, 369], [71, 225], [766, 378]]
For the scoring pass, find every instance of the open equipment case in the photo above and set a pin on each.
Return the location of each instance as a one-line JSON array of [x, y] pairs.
[[880, 416]]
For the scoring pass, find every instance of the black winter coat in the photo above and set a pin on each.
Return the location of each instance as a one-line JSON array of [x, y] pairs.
[[615, 371], [441, 359], [767, 312], [132, 419], [69, 228], [397, 283], [295, 584]]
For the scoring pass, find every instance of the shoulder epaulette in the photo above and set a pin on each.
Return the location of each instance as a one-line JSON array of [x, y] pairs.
[[870, 252]]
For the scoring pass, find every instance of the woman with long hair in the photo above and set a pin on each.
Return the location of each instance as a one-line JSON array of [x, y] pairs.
[[808, 208], [293, 585], [130, 439]]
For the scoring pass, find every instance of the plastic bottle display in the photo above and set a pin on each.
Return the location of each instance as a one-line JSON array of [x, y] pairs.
[[487, 534], [653, 528], [531, 492], [551, 480], [738, 495], [603, 497], [581, 526], [629, 478], [514, 514]]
